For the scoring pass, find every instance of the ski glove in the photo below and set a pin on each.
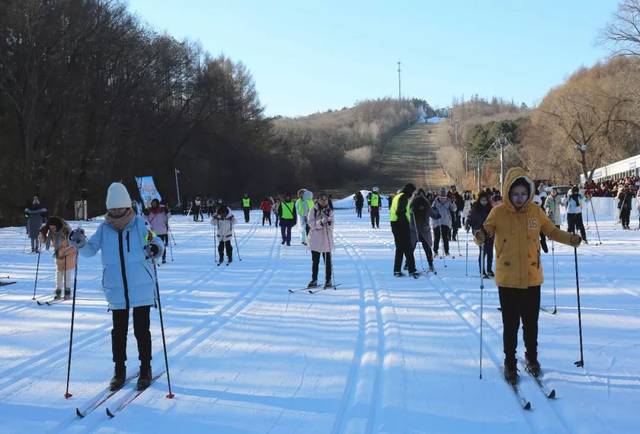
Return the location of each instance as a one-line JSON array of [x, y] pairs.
[[151, 251], [575, 240], [77, 238]]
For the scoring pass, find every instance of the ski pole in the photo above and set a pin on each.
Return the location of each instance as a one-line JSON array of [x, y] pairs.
[[553, 269], [68, 395], [415, 225], [170, 248], [466, 260], [236, 241], [579, 363], [170, 395], [596, 222], [481, 312], [35, 284]]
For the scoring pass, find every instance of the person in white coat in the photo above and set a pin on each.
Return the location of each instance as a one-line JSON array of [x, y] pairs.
[[224, 222]]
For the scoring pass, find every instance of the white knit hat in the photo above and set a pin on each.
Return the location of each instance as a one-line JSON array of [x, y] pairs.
[[118, 196]]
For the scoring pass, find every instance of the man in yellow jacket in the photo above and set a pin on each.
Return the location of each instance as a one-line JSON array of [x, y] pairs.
[[516, 225]]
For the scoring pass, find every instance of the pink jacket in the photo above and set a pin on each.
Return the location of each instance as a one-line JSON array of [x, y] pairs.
[[321, 232]]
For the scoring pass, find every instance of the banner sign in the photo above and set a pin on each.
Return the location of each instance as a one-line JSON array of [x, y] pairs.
[[147, 189]]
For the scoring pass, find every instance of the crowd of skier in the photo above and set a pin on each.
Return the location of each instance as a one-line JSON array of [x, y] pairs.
[[514, 223]]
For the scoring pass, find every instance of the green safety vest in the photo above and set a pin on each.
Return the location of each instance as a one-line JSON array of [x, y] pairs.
[[246, 202], [375, 199], [299, 206], [287, 210], [394, 208], [310, 204]]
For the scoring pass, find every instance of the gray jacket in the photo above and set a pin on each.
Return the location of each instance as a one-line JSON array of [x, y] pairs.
[[444, 208]]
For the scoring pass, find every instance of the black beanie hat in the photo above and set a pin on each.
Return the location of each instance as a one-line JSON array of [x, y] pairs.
[[409, 188], [521, 181]]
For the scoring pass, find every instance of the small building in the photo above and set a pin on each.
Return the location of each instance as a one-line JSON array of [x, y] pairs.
[[618, 170]]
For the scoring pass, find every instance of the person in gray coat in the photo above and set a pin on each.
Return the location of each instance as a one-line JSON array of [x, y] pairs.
[[444, 207], [35, 215]]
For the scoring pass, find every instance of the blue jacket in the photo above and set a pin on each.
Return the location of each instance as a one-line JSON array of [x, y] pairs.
[[127, 276]]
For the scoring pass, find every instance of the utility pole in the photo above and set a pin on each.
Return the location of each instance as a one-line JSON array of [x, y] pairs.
[[478, 177], [399, 83], [501, 163], [176, 171]]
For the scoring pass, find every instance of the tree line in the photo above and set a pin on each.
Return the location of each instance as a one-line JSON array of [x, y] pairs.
[[89, 95], [590, 120]]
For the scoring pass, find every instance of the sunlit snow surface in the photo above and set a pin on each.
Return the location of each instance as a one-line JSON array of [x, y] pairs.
[[377, 355]]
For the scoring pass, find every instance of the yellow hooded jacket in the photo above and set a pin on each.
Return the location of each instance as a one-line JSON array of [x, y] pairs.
[[517, 236]]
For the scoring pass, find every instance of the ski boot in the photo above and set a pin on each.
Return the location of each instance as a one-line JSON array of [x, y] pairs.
[[313, 284], [220, 261], [144, 380], [119, 377], [328, 284], [415, 274], [490, 274], [58, 294], [432, 269], [398, 273], [511, 372], [67, 293], [532, 365]]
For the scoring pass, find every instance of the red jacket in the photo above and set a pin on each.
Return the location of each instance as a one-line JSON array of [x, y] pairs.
[[265, 206]]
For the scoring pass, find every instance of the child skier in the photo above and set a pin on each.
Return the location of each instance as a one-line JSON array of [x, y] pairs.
[[444, 207], [320, 221], [516, 225], [478, 215], [127, 245], [158, 217], [54, 234], [224, 222]]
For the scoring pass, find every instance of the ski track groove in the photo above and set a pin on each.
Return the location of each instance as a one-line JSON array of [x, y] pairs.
[[526, 417], [355, 371], [52, 358]]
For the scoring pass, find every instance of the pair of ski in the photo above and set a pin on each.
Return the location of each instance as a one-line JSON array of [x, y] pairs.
[[314, 289], [524, 402], [52, 300], [220, 263], [107, 394]]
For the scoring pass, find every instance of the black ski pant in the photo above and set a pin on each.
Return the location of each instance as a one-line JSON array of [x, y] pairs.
[[487, 252], [427, 250], [455, 220], [517, 304], [402, 239], [315, 258], [266, 217], [141, 322], [375, 216], [165, 240], [285, 230], [225, 245], [359, 211], [276, 216], [196, 213], [625, 215], [246, 214], [445, 231], [575, 222]]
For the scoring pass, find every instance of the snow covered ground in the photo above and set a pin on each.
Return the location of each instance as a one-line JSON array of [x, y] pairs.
[[377, 355]]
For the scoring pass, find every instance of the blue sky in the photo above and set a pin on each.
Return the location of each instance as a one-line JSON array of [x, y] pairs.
[[309, 56]]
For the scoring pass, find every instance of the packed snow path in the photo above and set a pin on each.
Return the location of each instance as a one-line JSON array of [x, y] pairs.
[[377, 355]]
